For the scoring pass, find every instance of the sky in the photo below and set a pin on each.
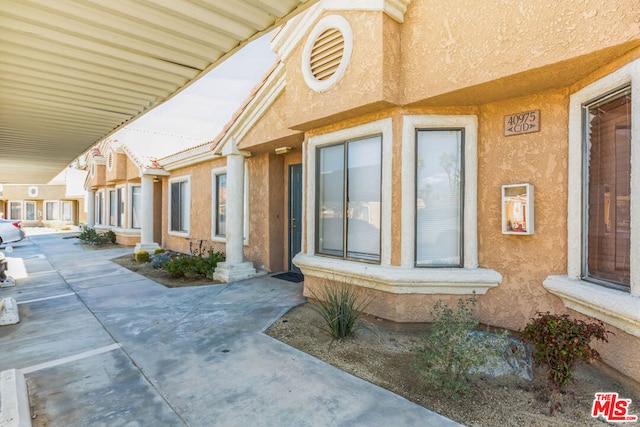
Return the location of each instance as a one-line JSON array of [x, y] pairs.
[[202, 109]]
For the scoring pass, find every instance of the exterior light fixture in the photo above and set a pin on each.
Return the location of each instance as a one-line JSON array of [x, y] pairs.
[[283, 150]]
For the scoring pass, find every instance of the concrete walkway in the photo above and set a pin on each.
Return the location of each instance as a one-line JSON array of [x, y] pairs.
[[100, 345]]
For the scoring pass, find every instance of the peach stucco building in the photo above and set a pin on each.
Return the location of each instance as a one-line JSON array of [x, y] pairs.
[[427, 150]]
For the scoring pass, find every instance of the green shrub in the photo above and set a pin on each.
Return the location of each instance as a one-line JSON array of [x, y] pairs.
[[142, 256], [158, 250], [340, 307], [452, 353], [90, 236], [200, 263], [560, 343]]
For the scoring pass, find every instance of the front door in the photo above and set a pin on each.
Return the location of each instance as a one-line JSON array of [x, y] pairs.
[[295, 213]]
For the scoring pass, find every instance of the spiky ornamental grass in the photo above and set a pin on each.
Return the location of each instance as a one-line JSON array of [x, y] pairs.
[[340, 306]]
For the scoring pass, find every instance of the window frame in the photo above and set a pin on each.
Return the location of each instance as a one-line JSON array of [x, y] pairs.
[[616, 307], [410, 126], [131, 206], [180, 233], [345, 192], [461, 199], [35, 210], [585, 189], [214, 218], [62, 204], [384, 128], [99, 207], [46, 212], [110, 206], [19, 203]]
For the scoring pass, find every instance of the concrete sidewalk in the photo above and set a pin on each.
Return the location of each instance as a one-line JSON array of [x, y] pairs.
[[100, 345]]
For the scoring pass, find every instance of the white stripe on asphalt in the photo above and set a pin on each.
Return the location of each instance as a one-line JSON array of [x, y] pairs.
[[69, 359]]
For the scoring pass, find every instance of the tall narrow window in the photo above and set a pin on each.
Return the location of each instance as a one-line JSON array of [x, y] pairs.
[[15, 210], [66, 211], [348, 216], [52, 211], [439, 198], [136, 206], [30, 211], [120, 214], [99, 208], [608, 189], [113, 208], [221, 205], [180, 200]]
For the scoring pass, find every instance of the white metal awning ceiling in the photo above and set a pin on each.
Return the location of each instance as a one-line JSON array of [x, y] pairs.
[[73, 71]]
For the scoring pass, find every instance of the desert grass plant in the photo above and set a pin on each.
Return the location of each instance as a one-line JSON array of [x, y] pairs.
[[560, 343], [340, 307], [452, 353]]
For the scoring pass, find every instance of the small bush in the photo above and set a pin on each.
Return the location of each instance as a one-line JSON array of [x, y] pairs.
[[200, 263], [90, 236], [142, 256], [560, 343], [451, 353], [158, 250], [340, 307]]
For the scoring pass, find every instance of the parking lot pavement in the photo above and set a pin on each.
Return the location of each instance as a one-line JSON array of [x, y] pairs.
[[102, 346]]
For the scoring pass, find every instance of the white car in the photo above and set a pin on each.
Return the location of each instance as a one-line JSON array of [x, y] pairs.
[[10, 231]]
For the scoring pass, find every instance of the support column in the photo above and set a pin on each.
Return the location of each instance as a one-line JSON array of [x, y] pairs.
[[90, 200], [146, 216], [234, 268]]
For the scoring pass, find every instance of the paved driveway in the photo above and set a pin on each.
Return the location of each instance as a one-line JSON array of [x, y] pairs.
[[102, 346]]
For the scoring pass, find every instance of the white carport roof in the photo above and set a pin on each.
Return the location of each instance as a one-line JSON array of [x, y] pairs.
[[74, 71]]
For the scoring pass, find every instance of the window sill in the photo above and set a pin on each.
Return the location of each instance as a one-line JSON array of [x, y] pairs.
[[400, 280], [179, 234], [614, 307]]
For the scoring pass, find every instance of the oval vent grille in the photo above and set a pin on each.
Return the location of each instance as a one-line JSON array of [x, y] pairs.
[[326, 54]]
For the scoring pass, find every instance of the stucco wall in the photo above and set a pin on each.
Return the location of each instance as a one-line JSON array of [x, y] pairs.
[[360, 91], [466, 44]]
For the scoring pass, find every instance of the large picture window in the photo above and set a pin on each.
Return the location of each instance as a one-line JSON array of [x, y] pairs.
[[607, 193], [348, 207], [439, 196], [66, 213], [180, 200]]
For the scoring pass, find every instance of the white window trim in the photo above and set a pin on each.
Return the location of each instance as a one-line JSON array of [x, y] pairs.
[[214, 212], [100, 194], [62, 202], [124, 214], [108, 208], [383, 127], [470, 227], [187, 179], [404, 279], [35, 211], [44, 206], [616, 307], [21, 209], [130, 205]]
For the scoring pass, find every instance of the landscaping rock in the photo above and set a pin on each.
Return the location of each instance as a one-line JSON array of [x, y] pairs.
[[159, 259]]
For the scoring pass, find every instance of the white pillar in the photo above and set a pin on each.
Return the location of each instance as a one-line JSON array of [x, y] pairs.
[[90, 202], [146, 216], [234, 268]]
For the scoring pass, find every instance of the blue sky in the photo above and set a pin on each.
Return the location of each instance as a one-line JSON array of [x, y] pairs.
[[202, 109]]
